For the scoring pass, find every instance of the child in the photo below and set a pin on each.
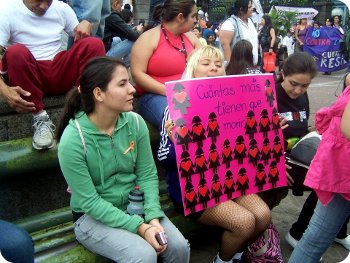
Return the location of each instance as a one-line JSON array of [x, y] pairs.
[[329, 176]]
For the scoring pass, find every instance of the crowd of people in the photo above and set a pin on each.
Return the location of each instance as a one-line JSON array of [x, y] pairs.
[[104, 147]]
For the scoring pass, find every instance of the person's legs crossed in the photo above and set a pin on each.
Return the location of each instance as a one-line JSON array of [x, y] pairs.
[[15, 243], [120, 48], [238, 224], [323, 228], [116, 244]]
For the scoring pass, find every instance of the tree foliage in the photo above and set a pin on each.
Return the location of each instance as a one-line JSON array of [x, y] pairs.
[[283, 22]]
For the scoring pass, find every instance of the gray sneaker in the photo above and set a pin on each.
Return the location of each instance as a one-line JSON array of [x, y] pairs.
[[43, 133]]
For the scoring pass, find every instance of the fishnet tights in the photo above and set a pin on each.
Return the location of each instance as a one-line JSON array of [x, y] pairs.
[[242, 219]]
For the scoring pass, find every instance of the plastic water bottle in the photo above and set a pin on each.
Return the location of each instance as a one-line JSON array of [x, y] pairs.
[[135, 206]]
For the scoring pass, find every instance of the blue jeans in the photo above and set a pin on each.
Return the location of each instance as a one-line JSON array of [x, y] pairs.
[[121, 245], [151, 108], [94, 11], [15, 244], [121, 49], [323, 228]]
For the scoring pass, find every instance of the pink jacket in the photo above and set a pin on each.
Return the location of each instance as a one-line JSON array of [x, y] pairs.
[[329, 171]]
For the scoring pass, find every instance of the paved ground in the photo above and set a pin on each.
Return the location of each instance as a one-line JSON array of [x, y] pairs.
[[322, 93]]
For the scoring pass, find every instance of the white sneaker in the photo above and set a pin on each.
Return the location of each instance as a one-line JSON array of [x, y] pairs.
[[345, 242], [43, 132], [291, 240]]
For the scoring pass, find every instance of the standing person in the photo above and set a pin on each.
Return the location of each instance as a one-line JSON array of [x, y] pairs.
[[300, 34], [15, 244], [293, 104], [119, 37], [94, 11], [330, 182], [289, 43], [104, 152], [336, 24], [242, 219], [31, 45], [239, 26], [151, 52], [329, 24], [267, 38]]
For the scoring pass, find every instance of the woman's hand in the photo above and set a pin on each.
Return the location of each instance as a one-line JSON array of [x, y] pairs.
[[283, 122], [169, 125], [148, 232]]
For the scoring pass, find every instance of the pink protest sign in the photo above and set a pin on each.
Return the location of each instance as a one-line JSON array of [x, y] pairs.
[[227, 138]]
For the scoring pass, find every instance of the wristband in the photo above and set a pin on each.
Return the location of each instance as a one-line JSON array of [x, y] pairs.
[[144, 232]]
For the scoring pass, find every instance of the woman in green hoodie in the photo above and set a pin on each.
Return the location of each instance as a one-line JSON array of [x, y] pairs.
[[104, 152]]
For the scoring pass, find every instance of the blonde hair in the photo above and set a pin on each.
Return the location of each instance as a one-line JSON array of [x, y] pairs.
[[197, 55]]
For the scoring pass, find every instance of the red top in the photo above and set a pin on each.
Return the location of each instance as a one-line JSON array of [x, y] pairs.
[[167, 63]]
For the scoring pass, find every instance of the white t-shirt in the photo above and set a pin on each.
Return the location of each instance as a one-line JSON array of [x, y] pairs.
[[40, 34], [289, 43], [249, 33]]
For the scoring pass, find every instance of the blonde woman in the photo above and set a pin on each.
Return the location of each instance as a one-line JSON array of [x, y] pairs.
[[243, 219]]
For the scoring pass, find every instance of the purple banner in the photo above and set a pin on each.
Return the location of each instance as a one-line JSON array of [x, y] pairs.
[[324, 45]]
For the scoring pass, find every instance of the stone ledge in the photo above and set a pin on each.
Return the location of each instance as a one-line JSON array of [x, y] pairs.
[[15, 125]]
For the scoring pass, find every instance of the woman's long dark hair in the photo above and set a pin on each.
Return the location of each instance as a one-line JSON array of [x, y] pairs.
[[268, 22], [298, 63], [241, 58], [97, 73], [169, 10]]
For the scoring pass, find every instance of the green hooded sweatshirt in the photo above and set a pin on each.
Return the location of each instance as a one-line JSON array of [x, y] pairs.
[[102, 177]]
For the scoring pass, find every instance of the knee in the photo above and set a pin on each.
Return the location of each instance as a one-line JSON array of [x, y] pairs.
[[263, 219], [246, 227], [144, 254], [180, 250], [15, 54], [16, 241], [94, 45]]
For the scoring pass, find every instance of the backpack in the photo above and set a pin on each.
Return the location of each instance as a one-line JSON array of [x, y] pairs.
[[266, 248], [237, 29]]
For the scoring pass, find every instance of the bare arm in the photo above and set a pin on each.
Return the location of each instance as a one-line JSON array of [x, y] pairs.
[[345, 122], [141, 52], [226, 38]]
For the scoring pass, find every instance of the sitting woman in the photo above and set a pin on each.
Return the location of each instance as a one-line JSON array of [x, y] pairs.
[[242, 219], [104, 152], [160, 55]]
